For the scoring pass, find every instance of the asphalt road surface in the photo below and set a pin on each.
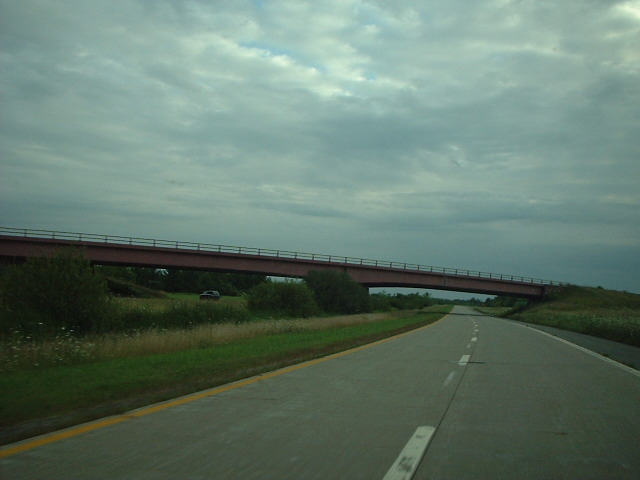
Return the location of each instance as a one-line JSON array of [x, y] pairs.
[[620, 352], [468, 397]]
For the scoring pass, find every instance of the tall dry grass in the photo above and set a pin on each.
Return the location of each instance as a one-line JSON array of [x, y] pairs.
[[159, 341], [68, 349]]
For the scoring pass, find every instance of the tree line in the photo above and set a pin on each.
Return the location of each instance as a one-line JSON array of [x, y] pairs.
[[64, 291]]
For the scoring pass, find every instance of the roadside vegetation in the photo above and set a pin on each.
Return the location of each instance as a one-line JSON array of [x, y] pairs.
[[79, 342], [593, 311]]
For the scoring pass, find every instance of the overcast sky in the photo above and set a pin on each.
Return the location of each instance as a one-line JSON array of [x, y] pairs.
[[501, 136]]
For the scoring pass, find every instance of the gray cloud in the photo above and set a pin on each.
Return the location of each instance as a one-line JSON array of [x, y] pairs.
[[494, 135]]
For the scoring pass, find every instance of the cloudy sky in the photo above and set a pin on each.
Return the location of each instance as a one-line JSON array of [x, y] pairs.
[[501, 136]]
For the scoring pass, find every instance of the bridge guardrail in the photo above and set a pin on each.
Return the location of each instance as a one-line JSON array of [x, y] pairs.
[[209, 247]]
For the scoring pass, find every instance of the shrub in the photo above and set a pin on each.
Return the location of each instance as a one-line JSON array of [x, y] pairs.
[[380, 302], [411, 301], [176, 315], [49, 294], [289, 298], [337, 292]]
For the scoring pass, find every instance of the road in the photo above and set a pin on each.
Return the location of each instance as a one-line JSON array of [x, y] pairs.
[[467, 397], [620, 352]]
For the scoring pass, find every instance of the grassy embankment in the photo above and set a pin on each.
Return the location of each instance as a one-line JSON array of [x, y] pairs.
[[64, 382], [593, 311]]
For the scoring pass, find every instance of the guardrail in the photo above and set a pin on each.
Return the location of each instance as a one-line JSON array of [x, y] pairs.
[[209, 247]]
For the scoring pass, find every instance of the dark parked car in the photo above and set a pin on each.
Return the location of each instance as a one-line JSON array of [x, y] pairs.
[[210, 295]]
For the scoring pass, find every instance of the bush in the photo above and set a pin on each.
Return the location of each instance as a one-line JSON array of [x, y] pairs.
[[337, 292], [178, 315], [411, 301], [380, 302], [47, 295], [289, 298]]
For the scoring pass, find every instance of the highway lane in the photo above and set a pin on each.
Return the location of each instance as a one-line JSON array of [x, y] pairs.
[[529, 406], [504, 401]]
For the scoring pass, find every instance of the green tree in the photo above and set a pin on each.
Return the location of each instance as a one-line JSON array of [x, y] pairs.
[[337, 292], [380, 302], [410, 301], [52, 293], [194, 281], [124, 274], [148, 277], [501, 301], [289, 298]]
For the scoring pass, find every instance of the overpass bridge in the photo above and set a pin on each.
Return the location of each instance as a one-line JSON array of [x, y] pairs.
[[18, 244]]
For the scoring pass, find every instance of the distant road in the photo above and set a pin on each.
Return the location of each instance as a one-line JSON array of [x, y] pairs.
[[485, 397]]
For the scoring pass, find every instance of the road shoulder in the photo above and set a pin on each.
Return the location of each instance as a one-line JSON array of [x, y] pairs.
[[626, 354]]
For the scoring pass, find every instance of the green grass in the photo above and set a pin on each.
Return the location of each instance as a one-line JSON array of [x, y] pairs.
[[76, 393], [183, 296], [594, 311]]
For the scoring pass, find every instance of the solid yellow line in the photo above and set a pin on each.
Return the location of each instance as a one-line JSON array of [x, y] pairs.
[[87, 427]]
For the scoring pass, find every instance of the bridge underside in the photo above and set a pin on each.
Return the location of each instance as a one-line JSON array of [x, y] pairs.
[[18, 248]]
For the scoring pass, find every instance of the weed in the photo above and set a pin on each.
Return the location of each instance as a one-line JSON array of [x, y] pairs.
[[19, 351], [592, 311]]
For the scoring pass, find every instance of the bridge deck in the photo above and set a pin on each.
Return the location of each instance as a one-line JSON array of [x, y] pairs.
[[129, 251]]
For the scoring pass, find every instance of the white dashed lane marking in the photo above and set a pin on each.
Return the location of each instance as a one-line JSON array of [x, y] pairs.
[[406, 464], [449, 379]]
